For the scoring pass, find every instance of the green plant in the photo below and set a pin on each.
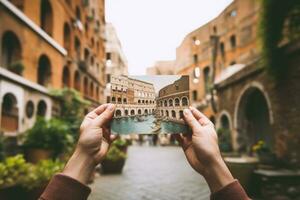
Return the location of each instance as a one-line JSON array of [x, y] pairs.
[[48, 134], [16, 67], [71, 108], [279, 21], [41, 173], [120, 143], [13, 171], [261, 147], [115, 154]]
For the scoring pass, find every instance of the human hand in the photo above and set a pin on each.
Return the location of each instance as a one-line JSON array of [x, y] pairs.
[[202, 150], [93, 144]]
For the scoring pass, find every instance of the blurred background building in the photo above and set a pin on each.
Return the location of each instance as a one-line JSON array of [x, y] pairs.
[[227, 80], [162, 68], [48, 45]]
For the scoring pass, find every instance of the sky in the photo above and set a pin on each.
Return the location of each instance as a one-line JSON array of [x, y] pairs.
[[158, 81], [151, 30]]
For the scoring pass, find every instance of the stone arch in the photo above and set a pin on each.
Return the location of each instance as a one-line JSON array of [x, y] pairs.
[[44, 71], [180, 114], [46, 17], [184, 101], [224, 113], [118, 113], [9, 113], [167, 113], [177, 101], [139, 111], [66, 80], [253, 117], [126, 112], [113, 99], [132, 112], [170, 102], [146, 112], [173, 114], [11, 50], [165, 103]]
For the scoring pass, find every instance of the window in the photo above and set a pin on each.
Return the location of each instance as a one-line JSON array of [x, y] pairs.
[[195, 95], [233, 13], [197, 72], [67, 37], [173, 114], [44, 71], [233, 41], [215, 30], [184, 101], [165, 103], [177, 102], [195, 58], [78, 13], [77, 48], [222, 49], [29, 109], [85, 85], [11, 50], [46, 17], [171, 102], [66, 77], [91, 89], [42, 108], [206, 79], [77, 81], [9, 113]]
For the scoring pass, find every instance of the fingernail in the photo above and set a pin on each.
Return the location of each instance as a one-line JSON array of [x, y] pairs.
[[186, 111], [111, 107], [191, 108]]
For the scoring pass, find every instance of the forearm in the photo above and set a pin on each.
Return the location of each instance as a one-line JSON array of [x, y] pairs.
[[79, 167]]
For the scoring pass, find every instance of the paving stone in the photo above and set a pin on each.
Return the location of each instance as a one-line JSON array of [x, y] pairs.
[[152, 173]]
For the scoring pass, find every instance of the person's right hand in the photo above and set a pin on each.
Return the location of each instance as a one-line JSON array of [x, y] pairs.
[[202, 150]]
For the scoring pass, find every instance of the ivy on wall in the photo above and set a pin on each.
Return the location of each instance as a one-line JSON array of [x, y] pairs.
[[280, 20]]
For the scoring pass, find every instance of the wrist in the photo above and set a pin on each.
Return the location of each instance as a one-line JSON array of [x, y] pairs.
[[80, 167], [217, 174]]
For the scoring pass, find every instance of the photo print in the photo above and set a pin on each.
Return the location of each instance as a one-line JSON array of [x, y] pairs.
[[149, 104]]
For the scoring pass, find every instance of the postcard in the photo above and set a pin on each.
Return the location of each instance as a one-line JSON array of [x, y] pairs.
[[149, 104]]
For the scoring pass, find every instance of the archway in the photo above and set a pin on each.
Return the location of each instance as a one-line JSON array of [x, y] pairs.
[[118, 113], [77, 81], [126, 112], [184, 101], [132, 112], [170, 102], [44, 71], [177, 102], [181, 114], [10, 113], [146, 112], [173, 114], [11, 50], [67, 37], [139, 111], [167, 113], [253, 119]]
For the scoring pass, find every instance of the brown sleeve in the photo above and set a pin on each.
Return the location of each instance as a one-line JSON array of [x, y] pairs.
[[232, 191], [62, 187]]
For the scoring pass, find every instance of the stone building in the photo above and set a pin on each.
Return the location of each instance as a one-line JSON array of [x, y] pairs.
[[173, 99], [132, 96], [48, 44], [224, 54]]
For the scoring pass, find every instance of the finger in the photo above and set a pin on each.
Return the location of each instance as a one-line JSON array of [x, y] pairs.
[[113, 138], [190, 119], [105, 116], [97, 111], [199, 116]]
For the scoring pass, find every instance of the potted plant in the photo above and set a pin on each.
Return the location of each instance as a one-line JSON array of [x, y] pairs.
[[46, 139], [264, 153], [12, 172], [114, 161], [39, 176], [121, 144]]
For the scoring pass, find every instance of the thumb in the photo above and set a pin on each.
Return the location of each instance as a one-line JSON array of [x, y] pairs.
[[191, 120], [106, 116]]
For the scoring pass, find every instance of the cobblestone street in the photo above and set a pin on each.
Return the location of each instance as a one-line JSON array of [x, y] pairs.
[[156, 173]]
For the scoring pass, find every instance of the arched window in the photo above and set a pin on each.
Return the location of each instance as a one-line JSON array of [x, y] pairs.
[[224, 122], [139, 111], [77, 81], [11, 51], [66, 77], [165, 103], [97, 92], [29, 109], [233, 41], [170, 102], [119, 100], [222, 49], [167, 113], [139, 101], [85, 85], [42, 108], [177, 102], [46, 17], [184, 101], [173, 114], [86, 56], [146, 101], [126, 113], [206, 73], [67, 37], [146, 112], [181, 114], [113, 99], [77, 48], [44, 71], [78, 13], [118, 113], [91, 89], [132, 112], [125, 100], [10, 113]]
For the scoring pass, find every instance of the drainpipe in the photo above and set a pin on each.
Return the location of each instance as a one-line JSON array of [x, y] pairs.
[[214, 39]]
